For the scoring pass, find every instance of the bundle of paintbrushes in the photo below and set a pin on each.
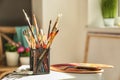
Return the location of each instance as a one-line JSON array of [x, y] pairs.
[[39, 44]]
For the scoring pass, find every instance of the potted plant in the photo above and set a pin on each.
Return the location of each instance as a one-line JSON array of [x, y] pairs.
[[11, 54], [109, 11], [24, 55]]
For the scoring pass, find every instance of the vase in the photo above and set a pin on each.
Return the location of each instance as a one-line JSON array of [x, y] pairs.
[[117, 21], [24, 60], [12, 58], [109, 22]]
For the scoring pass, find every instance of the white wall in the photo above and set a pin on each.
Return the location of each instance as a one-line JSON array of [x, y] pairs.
[[95, 18], [37, 10], [71, 37], [66, 45]]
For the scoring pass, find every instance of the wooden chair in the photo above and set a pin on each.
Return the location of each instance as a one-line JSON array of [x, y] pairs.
[[4, 29], [3, 69]]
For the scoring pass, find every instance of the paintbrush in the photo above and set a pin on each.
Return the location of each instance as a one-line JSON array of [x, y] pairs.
[[49, 29], [56, 22], [51, 39], [42, 35], [27, 17], [30, 27], [48, 45], [27, 39], [82, 67], [35, 23]]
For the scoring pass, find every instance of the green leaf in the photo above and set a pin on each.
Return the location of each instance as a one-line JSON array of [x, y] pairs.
[[109, 8], [9, 47], [25, 54]]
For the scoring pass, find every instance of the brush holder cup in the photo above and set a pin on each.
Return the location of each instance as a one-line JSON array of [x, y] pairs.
[[40, 61]]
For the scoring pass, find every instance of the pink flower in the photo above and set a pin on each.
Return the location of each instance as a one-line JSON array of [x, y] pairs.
[[21, 49]]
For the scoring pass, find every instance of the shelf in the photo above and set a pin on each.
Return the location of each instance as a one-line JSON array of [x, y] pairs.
[[107, 30]]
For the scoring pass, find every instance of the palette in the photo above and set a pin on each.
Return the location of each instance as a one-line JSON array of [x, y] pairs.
[[81, 68]]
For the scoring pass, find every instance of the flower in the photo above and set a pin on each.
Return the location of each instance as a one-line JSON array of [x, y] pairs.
[[27, 49], [20, 49], [24, 52]]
